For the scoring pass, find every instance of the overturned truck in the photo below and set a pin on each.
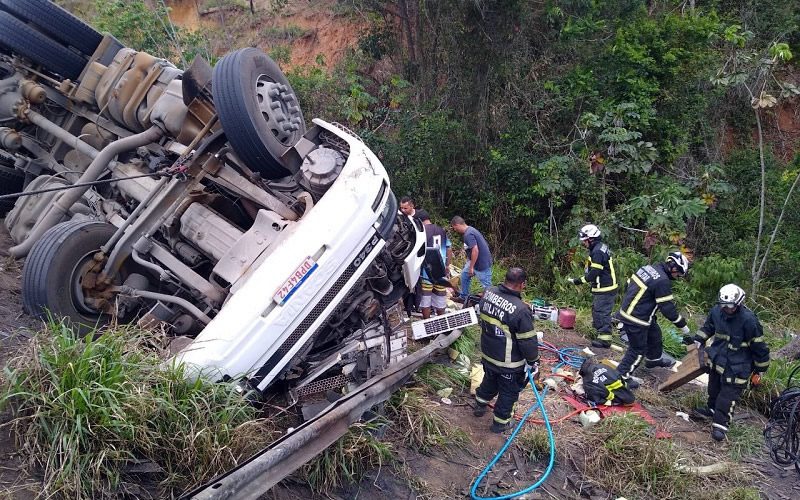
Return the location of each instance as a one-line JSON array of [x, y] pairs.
[[200, 200]]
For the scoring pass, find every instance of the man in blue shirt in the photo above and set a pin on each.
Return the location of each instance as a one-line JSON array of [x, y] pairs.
[[479, 258]]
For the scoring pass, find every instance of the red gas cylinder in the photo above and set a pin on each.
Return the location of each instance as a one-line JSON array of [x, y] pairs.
[[566, 318]]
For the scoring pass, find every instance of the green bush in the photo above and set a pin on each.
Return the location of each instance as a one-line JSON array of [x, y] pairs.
[[707, 276]]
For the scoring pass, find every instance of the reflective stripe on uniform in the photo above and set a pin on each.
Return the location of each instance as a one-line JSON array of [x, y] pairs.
[[502, 420], [604, 336], [678, 319], [611, 388], [633, 319], [719, 426], [763, 364], [628, 313], [481, 400], [526, 335], [665, 298], [503, 364], [495, 322], [597, 266], [613, 273]]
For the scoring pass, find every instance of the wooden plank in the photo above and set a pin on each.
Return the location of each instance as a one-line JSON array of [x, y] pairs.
[[689, 370]]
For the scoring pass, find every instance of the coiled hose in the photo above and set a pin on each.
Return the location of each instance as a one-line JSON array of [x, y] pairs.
[[782, 432], [539, 405]]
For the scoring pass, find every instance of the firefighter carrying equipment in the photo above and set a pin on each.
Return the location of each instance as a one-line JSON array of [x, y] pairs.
[[508, 339], [649, 290], [599, 270], [603, 385], [738, 348]]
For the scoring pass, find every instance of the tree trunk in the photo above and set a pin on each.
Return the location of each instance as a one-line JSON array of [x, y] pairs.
[[755, 271], [777, 225]]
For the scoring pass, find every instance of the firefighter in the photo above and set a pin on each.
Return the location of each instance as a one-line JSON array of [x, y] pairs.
[[600, 274], [603, 385], [509, 346], [738, 355], [649, 289]]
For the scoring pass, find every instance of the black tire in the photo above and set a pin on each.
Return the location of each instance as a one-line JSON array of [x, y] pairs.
[[11, 181], [52, 273], [246, 85], [55, 22], [25, 41]]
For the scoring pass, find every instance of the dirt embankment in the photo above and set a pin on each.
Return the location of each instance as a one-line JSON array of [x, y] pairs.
[[311, 29]]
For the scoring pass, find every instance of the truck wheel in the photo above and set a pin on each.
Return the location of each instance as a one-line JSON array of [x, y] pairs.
[[258, 110], [11, 181], [25, 41], [55, 22], [55, 269]]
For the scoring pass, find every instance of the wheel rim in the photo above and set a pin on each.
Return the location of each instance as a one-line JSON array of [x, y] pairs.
[[279, 108], [79, 272]]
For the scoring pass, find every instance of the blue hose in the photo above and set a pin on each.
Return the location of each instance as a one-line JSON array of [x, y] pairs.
[[482, 475]]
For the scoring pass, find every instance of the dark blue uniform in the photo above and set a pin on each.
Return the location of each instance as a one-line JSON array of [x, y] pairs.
[[737, 351], [507, 343]]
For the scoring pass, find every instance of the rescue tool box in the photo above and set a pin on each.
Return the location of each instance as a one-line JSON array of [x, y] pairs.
[[548, 313]]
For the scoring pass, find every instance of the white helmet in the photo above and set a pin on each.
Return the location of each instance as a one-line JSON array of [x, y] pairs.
[[589, 231], [676, 260], [731, 294]]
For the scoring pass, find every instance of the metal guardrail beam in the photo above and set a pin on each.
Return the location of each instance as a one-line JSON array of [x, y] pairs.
[[271, 465]]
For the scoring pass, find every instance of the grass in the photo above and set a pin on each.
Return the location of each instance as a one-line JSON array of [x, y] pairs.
[[744, 441], [418, 425], [273, 34], [534, 443], [348, 459], [689, 399], [772, 383], [626, 459], [438, 377], [467, 344], [84, 409]]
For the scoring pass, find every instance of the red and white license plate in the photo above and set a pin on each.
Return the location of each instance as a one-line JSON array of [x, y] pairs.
[[297, 278]]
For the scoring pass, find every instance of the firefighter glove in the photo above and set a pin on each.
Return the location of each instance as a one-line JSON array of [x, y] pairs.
[[755, 379], [685, 330], [688, 340], [533, 369]]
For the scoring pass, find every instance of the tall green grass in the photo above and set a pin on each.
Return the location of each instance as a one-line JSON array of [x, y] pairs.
[[87, 408], [347, 460]]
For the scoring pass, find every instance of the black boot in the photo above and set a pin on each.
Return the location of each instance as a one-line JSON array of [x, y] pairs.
[[717, 434], [630, 383], [499, 428], [603, 344], [479, 410], [659, 363], [703, 412]]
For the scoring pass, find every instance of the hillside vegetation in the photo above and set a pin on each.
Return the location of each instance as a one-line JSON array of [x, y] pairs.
[[667, 123]]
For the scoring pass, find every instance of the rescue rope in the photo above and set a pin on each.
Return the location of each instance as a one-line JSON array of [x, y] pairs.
[[539, 405]]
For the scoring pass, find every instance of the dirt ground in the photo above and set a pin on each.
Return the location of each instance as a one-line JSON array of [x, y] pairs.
[[15, 327], [445, 473]]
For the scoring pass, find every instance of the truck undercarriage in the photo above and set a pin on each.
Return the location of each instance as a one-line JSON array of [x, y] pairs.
[[199, 200]]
